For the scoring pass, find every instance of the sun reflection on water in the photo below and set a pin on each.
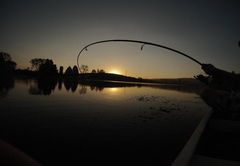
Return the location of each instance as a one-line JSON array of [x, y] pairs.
[[113, 89]]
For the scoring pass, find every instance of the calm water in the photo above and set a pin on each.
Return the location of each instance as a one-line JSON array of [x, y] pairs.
[[57, 122]]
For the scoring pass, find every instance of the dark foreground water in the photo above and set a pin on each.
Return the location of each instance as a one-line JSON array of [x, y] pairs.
[[64, 122]]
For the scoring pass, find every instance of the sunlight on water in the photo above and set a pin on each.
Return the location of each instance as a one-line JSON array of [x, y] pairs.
[[114, 89]]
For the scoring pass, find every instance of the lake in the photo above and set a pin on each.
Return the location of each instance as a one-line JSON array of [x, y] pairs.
[[62, 121]]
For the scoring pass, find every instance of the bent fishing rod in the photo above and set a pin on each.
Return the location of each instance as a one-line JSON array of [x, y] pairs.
[[136, 41]]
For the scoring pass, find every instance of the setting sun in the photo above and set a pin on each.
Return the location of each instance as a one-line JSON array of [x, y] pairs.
[[114, 72]]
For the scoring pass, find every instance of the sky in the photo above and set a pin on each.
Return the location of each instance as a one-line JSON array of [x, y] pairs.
[[208, 31]]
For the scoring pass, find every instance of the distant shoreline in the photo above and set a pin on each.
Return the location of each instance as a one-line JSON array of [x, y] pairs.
[[106, 77]]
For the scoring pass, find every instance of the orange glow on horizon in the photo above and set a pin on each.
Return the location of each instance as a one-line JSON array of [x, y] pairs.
[[114, 72]]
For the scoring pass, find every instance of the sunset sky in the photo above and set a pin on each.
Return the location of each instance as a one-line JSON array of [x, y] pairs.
[[207, 30]]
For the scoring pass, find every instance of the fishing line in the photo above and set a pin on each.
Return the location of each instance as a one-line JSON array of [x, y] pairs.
[[142, 46]]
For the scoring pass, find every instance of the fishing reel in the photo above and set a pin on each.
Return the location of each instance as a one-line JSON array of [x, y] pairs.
[[216, 83], [210, 81], [204, 79]]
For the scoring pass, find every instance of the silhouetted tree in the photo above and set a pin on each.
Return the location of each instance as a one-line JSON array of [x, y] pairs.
[[5, 56], [69, 71], [75, 70], [7, 66], [101, 71], [10, 65], [48, 68], [61, 70], [93, 71], [83, 69], [37, 62]]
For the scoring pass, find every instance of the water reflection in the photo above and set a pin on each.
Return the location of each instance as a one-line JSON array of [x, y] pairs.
[[6, 84], [141, 121], [96, 88], [113, 89], [43, 87], [47, 86], [71, 84], [83, 90]]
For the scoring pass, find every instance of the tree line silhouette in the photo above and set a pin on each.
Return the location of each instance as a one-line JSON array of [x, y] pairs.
[[7, 66], [41, 67], [46, 67]]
